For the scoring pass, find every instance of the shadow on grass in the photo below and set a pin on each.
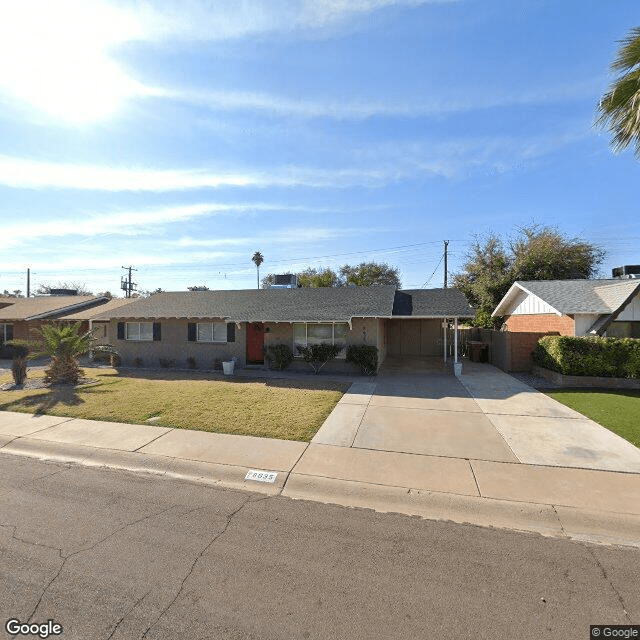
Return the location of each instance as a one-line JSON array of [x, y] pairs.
[[311, 382], [58, 395]]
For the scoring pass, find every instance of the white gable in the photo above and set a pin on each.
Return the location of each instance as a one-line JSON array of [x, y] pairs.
[[632, 311], [526, 304]]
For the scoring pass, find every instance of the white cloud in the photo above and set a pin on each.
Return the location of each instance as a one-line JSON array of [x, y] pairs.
[[228, 19]]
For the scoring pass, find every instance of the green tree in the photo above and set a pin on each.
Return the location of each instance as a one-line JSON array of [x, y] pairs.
[[64, 344], [321, 277], [369, 274], [535, 253], [257, 259], [619, 108]]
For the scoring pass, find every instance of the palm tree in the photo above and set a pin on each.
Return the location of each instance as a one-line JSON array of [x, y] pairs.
[[258, 259], [619, 108], [64, 344]]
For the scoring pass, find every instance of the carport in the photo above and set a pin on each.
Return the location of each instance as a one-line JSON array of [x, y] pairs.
[[420, 322]]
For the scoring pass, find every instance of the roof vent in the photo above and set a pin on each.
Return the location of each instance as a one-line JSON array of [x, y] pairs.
[[628, 271], [288, 280]]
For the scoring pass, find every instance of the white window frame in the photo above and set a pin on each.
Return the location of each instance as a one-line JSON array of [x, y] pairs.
[[341, 355], [137, 338], [222, 329]]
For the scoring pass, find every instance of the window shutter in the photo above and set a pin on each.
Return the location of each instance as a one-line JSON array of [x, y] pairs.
[[231, 332], [9, 332], [192, 331], [156, 331], [120, 330]]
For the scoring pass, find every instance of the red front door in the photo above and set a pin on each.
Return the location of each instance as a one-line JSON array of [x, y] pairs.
[[255, 342]]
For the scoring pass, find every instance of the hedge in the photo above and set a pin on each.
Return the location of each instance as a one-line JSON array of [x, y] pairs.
[[589, 356]]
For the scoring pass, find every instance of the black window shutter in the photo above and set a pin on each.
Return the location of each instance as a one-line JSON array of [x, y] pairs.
[[9, 332], [156, 331], [120, 330], [231, 332], [191, 331]]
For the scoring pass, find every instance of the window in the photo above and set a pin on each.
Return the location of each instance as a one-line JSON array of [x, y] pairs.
[[305, 334], [6, 333], [139, 331], [212, 332]]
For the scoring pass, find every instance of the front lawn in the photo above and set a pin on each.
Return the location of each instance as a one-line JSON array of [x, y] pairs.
[[616, 409], [286, 409]]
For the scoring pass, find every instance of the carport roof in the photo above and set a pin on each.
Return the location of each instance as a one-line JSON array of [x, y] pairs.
[[326, 304], [41, 307]]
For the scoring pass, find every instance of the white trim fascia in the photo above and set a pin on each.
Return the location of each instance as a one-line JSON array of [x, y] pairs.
[[507, 297]]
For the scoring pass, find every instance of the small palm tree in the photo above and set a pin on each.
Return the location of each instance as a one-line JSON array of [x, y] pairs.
[[64, 344], [619, 108], [258, 259]]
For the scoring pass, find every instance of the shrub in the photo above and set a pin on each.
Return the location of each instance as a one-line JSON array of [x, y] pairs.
[[167, 363], [138, 362], [280, 355], [217, 364], [589, 356], [317, 355], [191, 363], [365, 357]]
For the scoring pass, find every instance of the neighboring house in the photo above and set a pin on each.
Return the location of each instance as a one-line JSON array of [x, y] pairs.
[[573, 307], [217, 325], [87, 318], [19, 317]]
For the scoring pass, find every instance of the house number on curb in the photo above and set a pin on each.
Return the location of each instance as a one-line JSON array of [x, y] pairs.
[[261, 476]]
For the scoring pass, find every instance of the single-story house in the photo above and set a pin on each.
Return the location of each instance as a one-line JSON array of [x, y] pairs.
[[212, 326], [19, 317], [573, 307]]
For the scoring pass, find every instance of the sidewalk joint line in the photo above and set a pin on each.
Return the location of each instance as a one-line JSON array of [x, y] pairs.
[[473, 473]]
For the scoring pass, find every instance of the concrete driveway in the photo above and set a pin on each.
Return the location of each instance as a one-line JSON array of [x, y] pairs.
[[417, 407]]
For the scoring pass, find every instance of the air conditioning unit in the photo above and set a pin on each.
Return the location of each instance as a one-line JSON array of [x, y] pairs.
[[285, 280], [626, 272]]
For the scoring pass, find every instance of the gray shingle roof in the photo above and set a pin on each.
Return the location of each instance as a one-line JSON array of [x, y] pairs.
[[582, 296], [91, 313], [573, 296], [293, 305]]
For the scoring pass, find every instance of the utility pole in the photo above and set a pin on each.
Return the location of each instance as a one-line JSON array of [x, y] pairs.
[[126, 285], [446, 245], [28, 282]]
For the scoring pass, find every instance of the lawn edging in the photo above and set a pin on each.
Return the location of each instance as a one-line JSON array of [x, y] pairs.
[[601, 382]]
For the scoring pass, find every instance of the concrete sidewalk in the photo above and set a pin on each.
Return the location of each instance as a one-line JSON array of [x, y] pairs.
[[480, 451]]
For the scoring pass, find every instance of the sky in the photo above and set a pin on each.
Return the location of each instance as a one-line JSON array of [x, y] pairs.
[[180, 136]]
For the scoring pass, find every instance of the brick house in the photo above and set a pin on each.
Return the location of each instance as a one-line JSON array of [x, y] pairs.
[[210, 326], [573, 307], [19, 317]]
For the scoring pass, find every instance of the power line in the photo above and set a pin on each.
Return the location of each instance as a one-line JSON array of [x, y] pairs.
[[434, 273]]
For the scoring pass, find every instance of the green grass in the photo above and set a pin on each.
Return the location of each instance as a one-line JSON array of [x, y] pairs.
[[616, 409], [286, 409]]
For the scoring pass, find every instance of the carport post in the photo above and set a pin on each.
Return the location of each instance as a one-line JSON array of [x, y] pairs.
[[455, 340], [444, 328]]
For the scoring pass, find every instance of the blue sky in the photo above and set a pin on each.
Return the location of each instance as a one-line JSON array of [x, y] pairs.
[[181, 136]]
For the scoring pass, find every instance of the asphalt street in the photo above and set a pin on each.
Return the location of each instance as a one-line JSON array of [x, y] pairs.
[[113, 554]]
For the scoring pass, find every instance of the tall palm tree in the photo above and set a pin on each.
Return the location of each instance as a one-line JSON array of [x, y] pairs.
[[619, 108], [258, 259]]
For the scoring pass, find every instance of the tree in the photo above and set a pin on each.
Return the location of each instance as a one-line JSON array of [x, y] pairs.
[[535, 253], [258, 259], [363, 275], [17, 293], [370, 273], [64, 344], [321, 277], [106, 294], [619, 108]]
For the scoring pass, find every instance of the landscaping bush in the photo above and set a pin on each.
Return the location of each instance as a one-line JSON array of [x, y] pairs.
[[191, 363], [365, 357], [138, 362], [279, 355], [167, 363], [317, 355], [589, 356]]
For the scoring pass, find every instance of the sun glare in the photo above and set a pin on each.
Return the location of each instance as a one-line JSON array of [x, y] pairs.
[[55, 56]]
